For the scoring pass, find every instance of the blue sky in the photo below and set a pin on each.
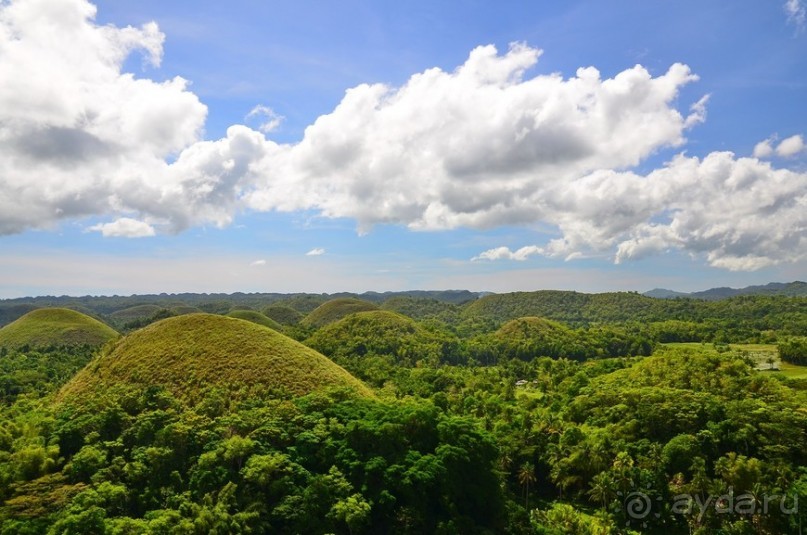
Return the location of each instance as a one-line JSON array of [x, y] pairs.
[[391, 146]]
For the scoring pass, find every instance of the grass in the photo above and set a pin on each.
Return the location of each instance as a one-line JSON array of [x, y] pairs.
[[189, 354], [334, 310], [46, 327], [255, 317]]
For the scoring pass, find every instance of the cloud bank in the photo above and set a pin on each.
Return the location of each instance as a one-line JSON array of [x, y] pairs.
[[482, 146]]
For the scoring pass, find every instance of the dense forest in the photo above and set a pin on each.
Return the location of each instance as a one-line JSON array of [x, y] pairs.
[[540, 412]]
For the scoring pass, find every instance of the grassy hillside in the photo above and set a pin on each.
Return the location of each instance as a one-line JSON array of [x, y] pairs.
[[189, 354], [255, 317], [334, 310], [46, 327], [283, 314], [11, 312]]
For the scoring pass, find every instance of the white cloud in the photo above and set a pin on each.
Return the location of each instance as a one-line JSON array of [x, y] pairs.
[[504, 253], [476, 147], [482, 146], [271, 119], [124, 227], [764, 149], [257, 263], [790, 146], [796, 14], [698, 112], [315, 252]]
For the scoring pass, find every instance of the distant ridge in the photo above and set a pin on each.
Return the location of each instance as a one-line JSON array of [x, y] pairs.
[[792, 289]]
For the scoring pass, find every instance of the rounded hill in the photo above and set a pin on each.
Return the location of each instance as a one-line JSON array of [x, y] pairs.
[[336, 309], [255, 317], [381, 332], [189, 354], [48, 327], [283, 314], [532, 336]]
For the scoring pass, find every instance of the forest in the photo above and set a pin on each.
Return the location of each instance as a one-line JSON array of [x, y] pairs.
[[426, 412]]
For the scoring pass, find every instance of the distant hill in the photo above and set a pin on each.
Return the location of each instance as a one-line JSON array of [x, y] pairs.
[[255, 317], [336, 309], [46, 327], [190, 353], [569, 307], [382, 333], [283, 314], [791, 289]]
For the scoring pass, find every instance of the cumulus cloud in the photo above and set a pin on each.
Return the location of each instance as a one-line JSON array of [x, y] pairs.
[[124, 227], [475, 147], [764, 149], [481, 146], [81, 137], [790, 146], [315, 252], [500, 253], [796, 14]]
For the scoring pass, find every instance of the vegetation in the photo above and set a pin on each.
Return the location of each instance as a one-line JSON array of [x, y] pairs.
[[334, 310], [255, 317], [187, 354], [283, 314], [477, 424], [53, 327]]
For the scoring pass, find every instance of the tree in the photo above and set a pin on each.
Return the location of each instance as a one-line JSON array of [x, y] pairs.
[[526, 475]]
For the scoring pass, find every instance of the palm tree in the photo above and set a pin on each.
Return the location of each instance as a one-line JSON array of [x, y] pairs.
[[602, 488], [526, 475]]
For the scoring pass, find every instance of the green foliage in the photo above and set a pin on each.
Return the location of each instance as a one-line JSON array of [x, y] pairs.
[[209, 424], [794, 351], [383, 333], [55, 327]]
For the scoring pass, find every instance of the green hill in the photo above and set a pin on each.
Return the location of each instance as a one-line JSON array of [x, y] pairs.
[[420, 308], [569, 307], [380, 332], [46, 327], [283, 314], [192, 353], [134, 313], [9, 313], [334, 310], [255, 317]]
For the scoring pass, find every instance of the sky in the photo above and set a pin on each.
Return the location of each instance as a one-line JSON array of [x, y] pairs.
[[306, 146]]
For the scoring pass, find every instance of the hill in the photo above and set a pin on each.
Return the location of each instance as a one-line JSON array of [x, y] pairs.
[[189, 354], [283, 314], [334, 310], [790, 289], [11, 312], [569, 307], [255, 317], [421, 307], [48, 327], [381, 333]]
